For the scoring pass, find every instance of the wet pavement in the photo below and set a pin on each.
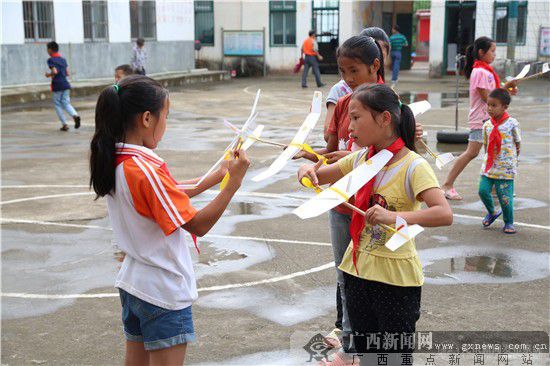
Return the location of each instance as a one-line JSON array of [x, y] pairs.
[[263, 274]]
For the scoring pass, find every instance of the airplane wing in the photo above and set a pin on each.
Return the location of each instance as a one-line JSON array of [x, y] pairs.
[[344, 188], [420, 107], [250, 123], [300, 137], [404, 233]]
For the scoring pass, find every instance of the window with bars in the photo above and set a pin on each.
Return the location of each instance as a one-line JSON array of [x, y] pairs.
[[38, 21], [500, 28], [282, 20], [204, 22], [143, 21], [95, 20]]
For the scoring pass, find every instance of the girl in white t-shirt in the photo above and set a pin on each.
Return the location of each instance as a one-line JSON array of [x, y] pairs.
[[149, 214]]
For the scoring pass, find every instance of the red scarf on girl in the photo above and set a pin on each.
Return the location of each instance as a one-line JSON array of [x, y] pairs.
[[484, 65], [363, 200], [495, 141]]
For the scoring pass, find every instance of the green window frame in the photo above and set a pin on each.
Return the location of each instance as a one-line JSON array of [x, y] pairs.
[[282, 23], [500, 23], [204, 22]]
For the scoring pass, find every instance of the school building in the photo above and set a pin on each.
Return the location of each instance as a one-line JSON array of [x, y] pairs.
[[94, 36], [456, 24], [286, 25]]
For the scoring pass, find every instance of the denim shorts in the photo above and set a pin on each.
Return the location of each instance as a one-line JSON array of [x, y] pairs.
[[156, 327], [476, 135]]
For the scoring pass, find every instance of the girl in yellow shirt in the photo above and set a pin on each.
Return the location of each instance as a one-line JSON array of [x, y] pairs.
[[384, 287]]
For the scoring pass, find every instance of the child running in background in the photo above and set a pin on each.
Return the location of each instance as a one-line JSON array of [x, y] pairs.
[[382, 287], [501, 139], [341, 88], [483, 79], [61, 88], [149, 215]]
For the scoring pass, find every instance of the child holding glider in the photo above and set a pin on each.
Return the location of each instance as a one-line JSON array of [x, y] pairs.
[[483, 79], [360, 60], [149, 216], [341, 88], [383, 287], [501, 139]]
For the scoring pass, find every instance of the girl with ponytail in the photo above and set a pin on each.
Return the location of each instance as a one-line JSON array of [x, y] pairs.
[[361, 62], [149, 214], [382, 287], [483, 79]]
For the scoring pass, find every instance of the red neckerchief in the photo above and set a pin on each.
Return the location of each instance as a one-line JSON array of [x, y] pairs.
[[484, 65], [495, 141], [380, 80], [129, 153], [363, 200]]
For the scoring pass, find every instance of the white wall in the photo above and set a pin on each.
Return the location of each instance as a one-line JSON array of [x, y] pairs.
[[537, 16], [175, 20], [254, 15], [68, 21], [437, 32], [12, 22], [118, 13]]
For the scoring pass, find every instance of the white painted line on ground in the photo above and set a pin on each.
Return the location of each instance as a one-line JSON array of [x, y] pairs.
[[209, 191], [35, 198], [534, 226], [45, 186], [21, 295], [81, 226], [445, 126]]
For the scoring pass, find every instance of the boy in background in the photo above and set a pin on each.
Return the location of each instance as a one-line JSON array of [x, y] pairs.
[[501, 139], [61, 88], [139, 57], [122, 71]]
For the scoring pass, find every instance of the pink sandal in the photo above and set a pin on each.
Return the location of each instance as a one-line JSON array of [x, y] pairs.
[[452, 194]]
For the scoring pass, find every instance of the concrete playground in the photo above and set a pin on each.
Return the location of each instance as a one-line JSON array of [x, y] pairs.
[[264, 275]]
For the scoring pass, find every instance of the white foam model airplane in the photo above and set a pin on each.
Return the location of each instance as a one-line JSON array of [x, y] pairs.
[[524, 71], [442, 159], [297, 143], [402, 232], [344, 188], [241, 140], [521, 76]]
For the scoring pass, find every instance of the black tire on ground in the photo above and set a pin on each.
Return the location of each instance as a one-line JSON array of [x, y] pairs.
[[452, 137]]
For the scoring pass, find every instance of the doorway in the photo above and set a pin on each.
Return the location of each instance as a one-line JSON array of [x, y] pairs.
[[460, 26], [325, 21]]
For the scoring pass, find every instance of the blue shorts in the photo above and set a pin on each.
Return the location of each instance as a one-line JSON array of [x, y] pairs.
[[476, 135], [156, 327]]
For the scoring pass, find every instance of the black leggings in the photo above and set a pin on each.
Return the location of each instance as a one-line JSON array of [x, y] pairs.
[[376, 307]]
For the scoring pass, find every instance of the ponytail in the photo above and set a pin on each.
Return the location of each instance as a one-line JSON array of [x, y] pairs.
[[382, 40], [380, 72], [406, 127], [380, 98], [472, 53], [116, 110]]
